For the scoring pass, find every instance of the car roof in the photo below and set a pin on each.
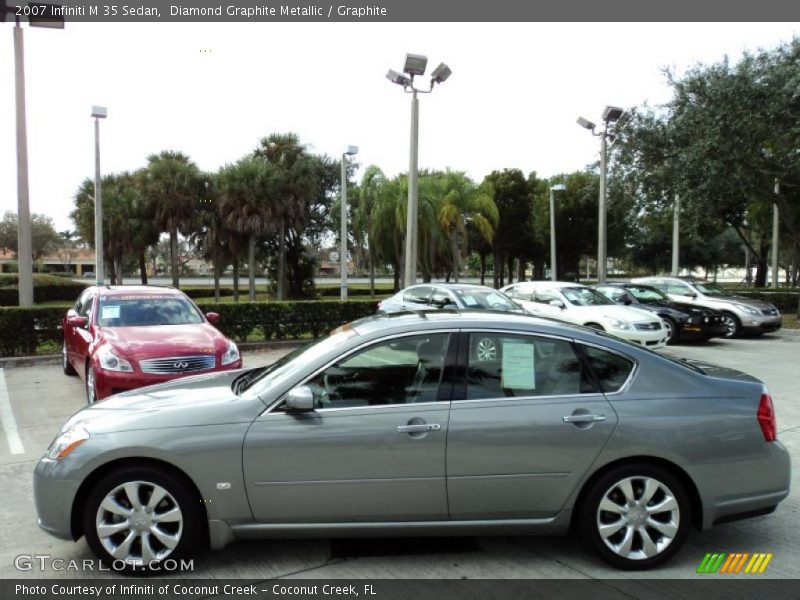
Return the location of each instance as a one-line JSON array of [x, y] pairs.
[[548, 284], [140, 290], [451, 286]]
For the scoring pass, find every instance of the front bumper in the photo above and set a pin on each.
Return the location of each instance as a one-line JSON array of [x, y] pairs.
[[648, 339], [695, 331], [760, 324], [54, 494], [109, 383]]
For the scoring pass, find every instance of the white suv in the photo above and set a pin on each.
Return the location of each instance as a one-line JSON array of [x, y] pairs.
[[579, 304]]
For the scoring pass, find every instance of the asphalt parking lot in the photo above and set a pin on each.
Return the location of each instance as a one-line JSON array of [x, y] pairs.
[[35, 401]]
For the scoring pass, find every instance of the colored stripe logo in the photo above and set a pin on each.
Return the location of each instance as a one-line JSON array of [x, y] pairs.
[[734, 563]]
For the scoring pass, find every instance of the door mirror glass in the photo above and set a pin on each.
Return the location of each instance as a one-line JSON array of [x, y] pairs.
[[77, 321], [300, 399], [557, 303], [212, 317]]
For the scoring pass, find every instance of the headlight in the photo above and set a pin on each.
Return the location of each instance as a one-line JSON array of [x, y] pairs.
[[616, 323], [231, 354], [750, 310], [111, 362], [65, 443]]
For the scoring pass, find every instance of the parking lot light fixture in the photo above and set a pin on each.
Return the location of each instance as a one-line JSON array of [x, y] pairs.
[[559, 187], [351, 151], [414, 66], [612, 115], [98, 112]]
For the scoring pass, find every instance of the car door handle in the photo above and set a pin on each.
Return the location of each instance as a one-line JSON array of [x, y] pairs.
[[583, 418], [418, 428]]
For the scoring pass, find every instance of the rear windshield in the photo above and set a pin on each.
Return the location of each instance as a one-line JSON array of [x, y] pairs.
[[143, 311]]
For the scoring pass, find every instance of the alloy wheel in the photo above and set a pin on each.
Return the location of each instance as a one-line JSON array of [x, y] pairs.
[[91, 389], [139, 522], [638, 518], [731, 326], [486, 349]]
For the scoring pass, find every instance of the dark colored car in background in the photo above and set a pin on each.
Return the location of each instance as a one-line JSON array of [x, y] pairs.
[[684, 321], [119, 338]]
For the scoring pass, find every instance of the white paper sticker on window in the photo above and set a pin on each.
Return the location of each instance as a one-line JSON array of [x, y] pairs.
[[110, 312], [518, 367], [469, 300]]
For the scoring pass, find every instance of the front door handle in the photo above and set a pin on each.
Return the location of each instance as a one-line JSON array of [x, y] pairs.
[[584, 418], [418, 428]]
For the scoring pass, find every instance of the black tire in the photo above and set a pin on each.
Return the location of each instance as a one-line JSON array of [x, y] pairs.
[[674, 331], [91, 387], [65, 364], [180, 493], [733, 324], [591, 518]]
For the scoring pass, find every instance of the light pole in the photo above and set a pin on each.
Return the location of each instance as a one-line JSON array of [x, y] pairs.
[[559, 187], [775, 228], [611, 116], [351, 151], [415, 65], [24, 246], [676, 216], [98, 112]]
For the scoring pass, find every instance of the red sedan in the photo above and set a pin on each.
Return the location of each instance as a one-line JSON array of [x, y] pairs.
[[118, 338]]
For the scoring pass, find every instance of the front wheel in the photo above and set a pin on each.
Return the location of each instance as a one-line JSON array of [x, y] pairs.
[[91, 385], [733, 327], [671, 329], [65, 364], [138, 517], [636, 516]]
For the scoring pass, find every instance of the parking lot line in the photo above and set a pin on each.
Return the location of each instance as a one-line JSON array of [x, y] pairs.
[[7, 417]]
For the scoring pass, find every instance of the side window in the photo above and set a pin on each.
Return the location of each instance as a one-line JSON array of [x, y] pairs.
[[612, 370], [680, 289], [545, 296], [510, 366], [85, 307], [397, 371], [659, 284], [520, 293], [418, 295]]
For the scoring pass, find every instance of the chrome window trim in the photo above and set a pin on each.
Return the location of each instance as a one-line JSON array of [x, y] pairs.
[[340, 357]]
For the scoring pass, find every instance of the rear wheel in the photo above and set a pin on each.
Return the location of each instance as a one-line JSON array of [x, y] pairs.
[[733, 326], [65, 364], [636, 516], [140, 516]]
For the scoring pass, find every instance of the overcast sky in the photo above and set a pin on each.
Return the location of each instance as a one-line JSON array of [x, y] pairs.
[[212, 91]]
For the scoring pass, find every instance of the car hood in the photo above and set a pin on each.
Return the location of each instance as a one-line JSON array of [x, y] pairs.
[[186, 402], [760, 304], [165, 340], [624, 313]]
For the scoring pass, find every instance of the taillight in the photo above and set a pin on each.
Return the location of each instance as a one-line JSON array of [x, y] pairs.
[[766, 418]]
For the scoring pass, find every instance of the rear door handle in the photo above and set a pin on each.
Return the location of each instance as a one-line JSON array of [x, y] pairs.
[[584, 418], [418, 428]]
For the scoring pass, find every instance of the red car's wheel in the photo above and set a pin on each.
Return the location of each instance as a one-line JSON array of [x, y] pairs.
[[65, 364], [91, 386]]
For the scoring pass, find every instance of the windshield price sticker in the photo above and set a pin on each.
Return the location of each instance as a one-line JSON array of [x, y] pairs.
[[518, 366], [110, 312]]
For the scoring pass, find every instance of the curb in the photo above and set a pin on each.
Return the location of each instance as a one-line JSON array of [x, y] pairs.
[[13, 362]]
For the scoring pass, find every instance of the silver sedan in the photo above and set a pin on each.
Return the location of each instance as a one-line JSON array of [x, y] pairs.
[[431, 423]]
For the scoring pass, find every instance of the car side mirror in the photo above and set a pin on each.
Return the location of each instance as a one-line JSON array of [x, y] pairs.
[[77, 321], [212, 317], [300, 399], [557, 303]]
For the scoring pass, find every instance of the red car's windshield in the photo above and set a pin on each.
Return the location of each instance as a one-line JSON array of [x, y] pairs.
[[139, 311]]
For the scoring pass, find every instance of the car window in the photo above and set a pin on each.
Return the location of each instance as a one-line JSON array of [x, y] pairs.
[[520, 293], [645, 293], [711, 289], [511, 366], [545, 296], [396, 371], [84, 303], [615, 293], [485, 299], [418, 295], [141, 311], [583, 296], [677, 288], [612, 370]]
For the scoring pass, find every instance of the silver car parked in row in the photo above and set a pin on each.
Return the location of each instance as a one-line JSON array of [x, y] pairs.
[[440, 423], [743, 316], [425, 296]]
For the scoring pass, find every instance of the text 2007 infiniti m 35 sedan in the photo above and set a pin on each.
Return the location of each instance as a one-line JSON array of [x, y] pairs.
[[432, 423]]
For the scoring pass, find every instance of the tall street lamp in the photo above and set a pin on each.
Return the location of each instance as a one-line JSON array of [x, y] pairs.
[[351, 151], [98, 112], [775, 229], [24, 246], [676, 240], [611, 116], [559, 187], [415, 65]]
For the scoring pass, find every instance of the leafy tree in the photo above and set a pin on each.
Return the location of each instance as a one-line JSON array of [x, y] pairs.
[[44, 237]]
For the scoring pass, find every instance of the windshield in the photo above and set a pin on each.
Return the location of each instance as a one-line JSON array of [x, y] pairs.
[[297, 359], [711, 289], [142, 311], [580, 296], [485, 299], [645, 293]]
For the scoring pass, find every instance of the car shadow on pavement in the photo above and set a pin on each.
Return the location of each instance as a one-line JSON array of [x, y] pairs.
[[361, 547]]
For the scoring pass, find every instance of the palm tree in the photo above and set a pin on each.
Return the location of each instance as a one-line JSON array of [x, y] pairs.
[[368, 198], [173, 183], [246, 190]]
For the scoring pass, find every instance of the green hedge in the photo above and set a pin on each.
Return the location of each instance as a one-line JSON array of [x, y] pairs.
[[22, 330], [784, 300], [46, 288]]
